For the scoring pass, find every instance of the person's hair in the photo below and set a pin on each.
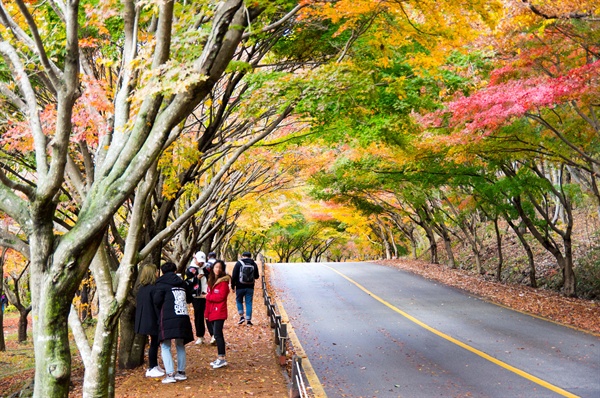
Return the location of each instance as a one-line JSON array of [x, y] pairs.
[[212, 277], [168, 267], [148, 275], [246, 254], [212, 255]]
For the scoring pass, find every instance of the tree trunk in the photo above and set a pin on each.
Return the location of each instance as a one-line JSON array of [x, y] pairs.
[[478, 265], [131, 345], [98, 379], [84, 302], [569, 282], [386, 245], [565, 262], [521, 236], [413, 244], [52, 353], [432, 244], [500, 256], [448, 247], [23, 313], [100, 369]]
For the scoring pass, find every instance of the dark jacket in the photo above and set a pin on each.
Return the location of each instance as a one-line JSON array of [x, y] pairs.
[[170, 303], [235, 275], [193, 282], [216, 299], [146, 321]]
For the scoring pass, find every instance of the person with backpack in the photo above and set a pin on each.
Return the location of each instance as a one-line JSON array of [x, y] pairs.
[[216, 308], [245, 272], [170, 303]]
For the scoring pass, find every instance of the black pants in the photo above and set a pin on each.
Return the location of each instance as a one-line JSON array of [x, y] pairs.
[[199, 305], [211, 328], [153, 352], [218, 333]]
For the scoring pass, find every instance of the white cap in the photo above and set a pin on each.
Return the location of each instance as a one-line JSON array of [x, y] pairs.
[[200, 257]]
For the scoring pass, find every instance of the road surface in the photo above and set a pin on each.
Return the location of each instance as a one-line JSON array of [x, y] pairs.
[[375, 331]]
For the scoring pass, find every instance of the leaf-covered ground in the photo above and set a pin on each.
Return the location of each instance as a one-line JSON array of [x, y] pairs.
[[577, 313], [17, 362]]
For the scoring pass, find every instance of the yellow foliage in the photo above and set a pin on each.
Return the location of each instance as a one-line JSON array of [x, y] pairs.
[[440, 26]]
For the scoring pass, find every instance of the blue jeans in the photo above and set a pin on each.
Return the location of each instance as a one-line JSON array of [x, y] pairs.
[[165, 350], [248, 294]]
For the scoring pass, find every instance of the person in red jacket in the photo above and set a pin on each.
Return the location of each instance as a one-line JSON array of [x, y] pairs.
[[216, 308]]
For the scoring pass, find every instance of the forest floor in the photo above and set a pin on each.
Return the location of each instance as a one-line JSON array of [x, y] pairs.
[[253, 369]]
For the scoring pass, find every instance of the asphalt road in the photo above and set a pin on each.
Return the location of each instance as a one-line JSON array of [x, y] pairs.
[[406, 336]]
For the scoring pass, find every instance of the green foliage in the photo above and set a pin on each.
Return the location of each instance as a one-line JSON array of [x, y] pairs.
[[587, 273], [238, 66], [310, 42]]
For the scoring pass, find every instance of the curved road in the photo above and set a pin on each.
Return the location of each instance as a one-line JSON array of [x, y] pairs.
[[375, 331]]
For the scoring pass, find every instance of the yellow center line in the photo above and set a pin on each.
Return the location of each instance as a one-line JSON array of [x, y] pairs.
[[459, 343]]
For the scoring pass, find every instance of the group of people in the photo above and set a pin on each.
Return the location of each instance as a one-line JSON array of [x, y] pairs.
[[162, 308]]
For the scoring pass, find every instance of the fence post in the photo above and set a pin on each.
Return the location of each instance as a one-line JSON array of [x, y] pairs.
[[277, 326], [295, 392], [282, 348]]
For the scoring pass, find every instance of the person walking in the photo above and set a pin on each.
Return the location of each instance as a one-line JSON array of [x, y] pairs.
[[170, 303], [245, 272], [216, 308], [146, 322], [196, 282]]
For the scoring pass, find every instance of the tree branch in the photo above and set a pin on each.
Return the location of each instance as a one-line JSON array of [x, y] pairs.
[[53, 72], [67, 94], [21, 78], [16, 208], [14, 242], [83, 344], [278, 23]]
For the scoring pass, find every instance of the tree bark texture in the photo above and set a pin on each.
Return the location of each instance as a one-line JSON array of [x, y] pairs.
[[51, 343], [131, 345]]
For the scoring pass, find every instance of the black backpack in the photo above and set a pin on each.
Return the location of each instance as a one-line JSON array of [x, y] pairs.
[[246, 273]]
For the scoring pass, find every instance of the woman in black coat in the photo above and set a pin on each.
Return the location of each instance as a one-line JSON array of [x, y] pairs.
[[146, 322], [170, 303]]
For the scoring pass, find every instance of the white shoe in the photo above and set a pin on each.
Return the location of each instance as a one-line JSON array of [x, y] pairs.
[[219, 363], [169, 379], [180, 376], [213, 341], [200, 340], [154, 372], [160, 369]]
